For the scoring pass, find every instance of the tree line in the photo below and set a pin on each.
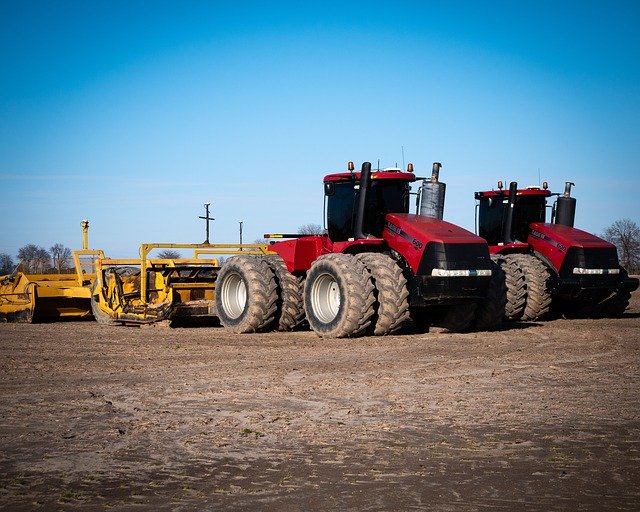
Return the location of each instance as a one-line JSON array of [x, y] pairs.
[[625, 235], [34, 259]]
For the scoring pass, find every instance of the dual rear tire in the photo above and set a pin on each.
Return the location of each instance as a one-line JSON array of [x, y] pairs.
[[339, 296], [246, 295], [527, 287], [342, 296]]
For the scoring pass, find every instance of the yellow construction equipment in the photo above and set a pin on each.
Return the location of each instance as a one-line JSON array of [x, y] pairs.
[[38, 297], [122, 291], [147, 290]]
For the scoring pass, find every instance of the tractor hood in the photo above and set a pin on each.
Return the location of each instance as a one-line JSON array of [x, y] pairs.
[[423, 228], [568, 248], [427, 243]]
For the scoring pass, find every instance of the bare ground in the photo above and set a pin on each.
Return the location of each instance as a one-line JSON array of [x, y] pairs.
[[536, 417]]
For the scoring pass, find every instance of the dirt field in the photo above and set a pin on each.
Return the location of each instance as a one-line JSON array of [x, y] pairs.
[[538, 417]]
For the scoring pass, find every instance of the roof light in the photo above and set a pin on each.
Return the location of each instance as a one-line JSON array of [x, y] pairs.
[[545, 185], [500, 185], [409, 167], [350, 166]]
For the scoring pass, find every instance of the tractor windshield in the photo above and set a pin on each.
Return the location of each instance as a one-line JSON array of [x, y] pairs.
[[385, 196], [493, 210]]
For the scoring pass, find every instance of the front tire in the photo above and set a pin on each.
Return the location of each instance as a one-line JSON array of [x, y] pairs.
[[491, 310], [537, 277], [338, 296], [246, 295], [458, 318], [392, 305], [516, 286], [616, 305], [290, 309]]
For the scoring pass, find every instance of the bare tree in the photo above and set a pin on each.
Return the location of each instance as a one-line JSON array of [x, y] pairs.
[[169, 254], [311, 229], [625, 234], [61, 256], [6, 264], [34, 259]]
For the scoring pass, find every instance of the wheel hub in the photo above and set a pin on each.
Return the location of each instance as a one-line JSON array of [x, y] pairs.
[[234, 296], [325, 298]]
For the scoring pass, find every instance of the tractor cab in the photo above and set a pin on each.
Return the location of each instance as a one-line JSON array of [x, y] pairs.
[[504, 216], [348, 218]]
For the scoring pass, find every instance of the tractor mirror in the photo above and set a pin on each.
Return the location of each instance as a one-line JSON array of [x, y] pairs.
[[328, 189]]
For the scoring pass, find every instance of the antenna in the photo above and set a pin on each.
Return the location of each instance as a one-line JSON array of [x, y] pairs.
[[378, 165]]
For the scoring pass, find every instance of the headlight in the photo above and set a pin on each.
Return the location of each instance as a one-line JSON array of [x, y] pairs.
[[593, 271], [440, 272]]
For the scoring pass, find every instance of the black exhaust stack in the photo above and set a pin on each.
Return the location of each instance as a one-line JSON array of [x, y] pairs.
[[566, 207], [365, 183], [507, 228]]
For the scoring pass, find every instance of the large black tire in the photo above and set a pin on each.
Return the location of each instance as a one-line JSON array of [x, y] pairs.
[[615, 306], [458, 318], [491, 310], [101, 317], [391, 308], [338, 296], [290, 308], [537, 277], [573, 310], [246, 295], [421, 318], [516, 286]]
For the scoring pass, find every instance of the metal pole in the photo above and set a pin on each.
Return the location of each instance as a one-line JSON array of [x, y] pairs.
[[240, 235], [207, 219], [206, 213], [85, 234]]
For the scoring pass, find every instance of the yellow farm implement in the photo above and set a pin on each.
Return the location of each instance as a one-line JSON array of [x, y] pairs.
[[122, 291], [36, 297], [148, 290]]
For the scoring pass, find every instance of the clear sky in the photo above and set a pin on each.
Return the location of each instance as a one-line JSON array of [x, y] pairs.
[[134, 114]]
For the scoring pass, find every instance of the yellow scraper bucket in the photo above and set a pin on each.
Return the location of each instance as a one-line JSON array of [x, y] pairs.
[[32, 297], [38, 297], [148, 290]]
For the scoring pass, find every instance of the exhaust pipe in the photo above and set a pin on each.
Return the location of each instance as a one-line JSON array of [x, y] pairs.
[[507, 228], [431, 195], [365, 183], [566, 207]]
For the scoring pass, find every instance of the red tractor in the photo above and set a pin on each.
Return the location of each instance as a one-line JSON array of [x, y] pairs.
[[550, 267], [376, 266]]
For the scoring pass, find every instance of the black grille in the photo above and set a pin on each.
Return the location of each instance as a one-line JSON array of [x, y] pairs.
[[454, 257], [600, 257]]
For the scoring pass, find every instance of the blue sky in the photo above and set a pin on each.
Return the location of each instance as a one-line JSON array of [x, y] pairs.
[[134, 114]]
